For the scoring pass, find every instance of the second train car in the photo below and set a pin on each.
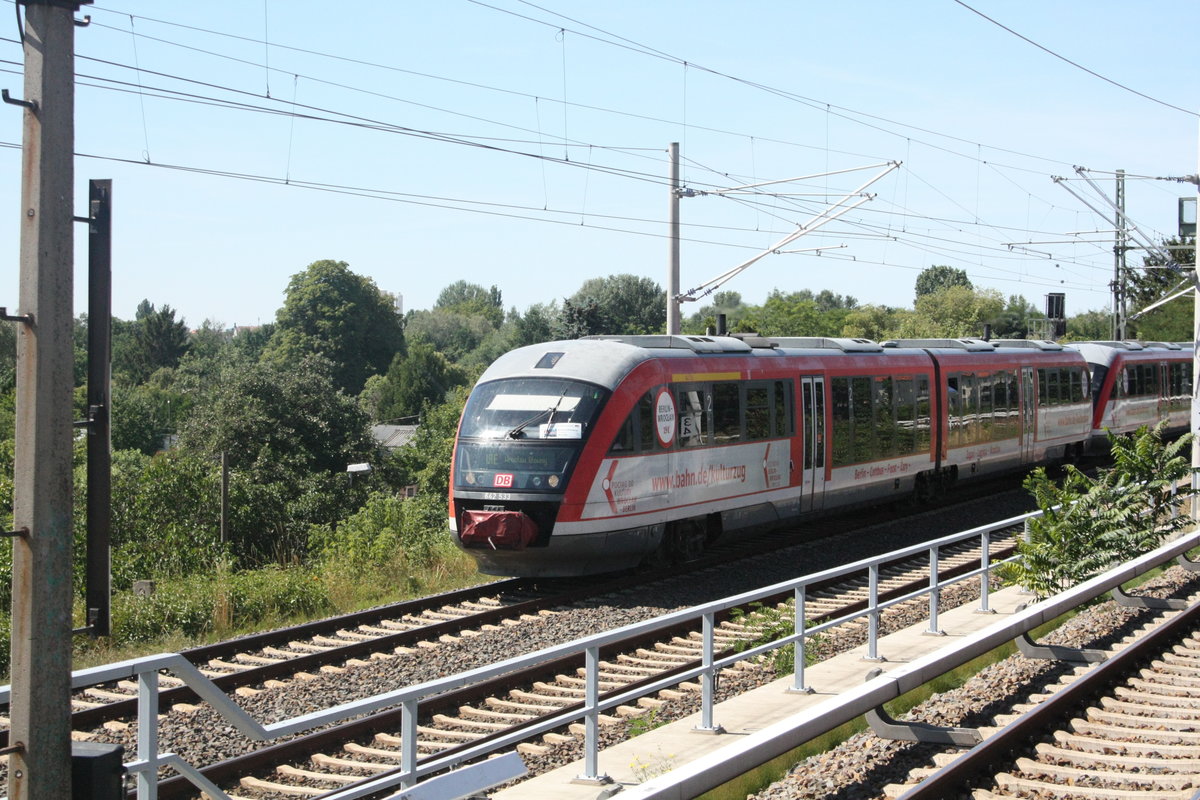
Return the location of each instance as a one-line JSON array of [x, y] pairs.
[[592, 455]]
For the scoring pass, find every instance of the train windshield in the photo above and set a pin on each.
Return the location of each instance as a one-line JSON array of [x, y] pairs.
[[531, 408], [523, 434]]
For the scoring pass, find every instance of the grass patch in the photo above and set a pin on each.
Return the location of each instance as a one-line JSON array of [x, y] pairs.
[[191, 612]]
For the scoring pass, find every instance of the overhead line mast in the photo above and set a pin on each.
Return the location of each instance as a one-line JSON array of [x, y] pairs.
[[40, 730]]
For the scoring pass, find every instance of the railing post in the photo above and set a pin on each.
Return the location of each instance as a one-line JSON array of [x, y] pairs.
[[147, 734], [708, 680], [935, 592], [801, 626], [873, 613], [985, 577], [591, 719], [408, 743]]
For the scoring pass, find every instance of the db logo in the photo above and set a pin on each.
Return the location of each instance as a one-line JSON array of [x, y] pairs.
[[503, 480]]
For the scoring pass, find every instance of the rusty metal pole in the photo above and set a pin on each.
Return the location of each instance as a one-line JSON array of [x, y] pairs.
[[41, 609]]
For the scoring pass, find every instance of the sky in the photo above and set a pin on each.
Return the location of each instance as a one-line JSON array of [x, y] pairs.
[[524, 145]]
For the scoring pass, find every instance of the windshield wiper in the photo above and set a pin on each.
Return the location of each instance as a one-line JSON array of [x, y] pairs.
[[515, 433]]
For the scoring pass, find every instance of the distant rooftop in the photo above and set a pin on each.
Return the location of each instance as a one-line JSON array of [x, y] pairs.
[[393, 436]]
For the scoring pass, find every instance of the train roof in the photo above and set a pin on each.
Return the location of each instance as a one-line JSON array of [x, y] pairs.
[[606, 360], [1105, 353]]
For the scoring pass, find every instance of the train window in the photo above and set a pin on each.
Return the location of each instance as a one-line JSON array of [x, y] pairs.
[[906, 415], [1012, 404], [924, 422], [862, 419], [785, 410], [885, 417], [843, 451], [1180, 384], [954, 410], [987, 431], [999, 417], [624, 441], [531, 408], [647, 440], [758, 412], [693, 417], [726, 411], [969, 391], [637, 431]]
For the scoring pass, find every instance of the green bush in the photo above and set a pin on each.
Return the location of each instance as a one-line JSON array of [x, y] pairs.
[[204, 604], [386, 526], [1089, 524]]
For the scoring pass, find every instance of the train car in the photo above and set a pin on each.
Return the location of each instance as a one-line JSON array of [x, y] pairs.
[[1138, 384], [593, 455], [1007, 404]]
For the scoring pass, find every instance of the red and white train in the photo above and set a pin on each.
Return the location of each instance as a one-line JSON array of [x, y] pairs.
[[1138, 384], [590, 456]]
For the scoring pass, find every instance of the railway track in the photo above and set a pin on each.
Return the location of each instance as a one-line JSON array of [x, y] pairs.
[[368, 747], [264, 658], [1126, 728], [269, 659]]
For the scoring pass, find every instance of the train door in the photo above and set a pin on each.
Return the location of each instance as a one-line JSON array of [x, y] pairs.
[[1164, 390], [812, 404], [1028, 414]]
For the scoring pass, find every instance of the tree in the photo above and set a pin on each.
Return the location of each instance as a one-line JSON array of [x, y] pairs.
[[280, 422], [473, 300], [953, 312], [940, 277], [1091, 326], [155, 339], [143, 415], [415, 379], [583, 318], [330, 311], [728, 303], [1014, 320], [534, 326], [872, 322], [1171, 322], [791, 314], [209, 339], [452, 333], [626, 304]]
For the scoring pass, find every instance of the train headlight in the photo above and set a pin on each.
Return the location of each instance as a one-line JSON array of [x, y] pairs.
[[553, 481], [470, 477], [536, 480]]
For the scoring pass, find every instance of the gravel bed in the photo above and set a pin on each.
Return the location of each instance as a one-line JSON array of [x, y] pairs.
[[860, 767], [202, 737]]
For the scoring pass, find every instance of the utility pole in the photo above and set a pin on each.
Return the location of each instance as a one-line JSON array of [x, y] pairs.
[[1196, 357], [1119, 308], [673, 267], [40, 729]]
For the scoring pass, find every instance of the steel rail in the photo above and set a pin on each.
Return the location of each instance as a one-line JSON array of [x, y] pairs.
[[1005, 745]]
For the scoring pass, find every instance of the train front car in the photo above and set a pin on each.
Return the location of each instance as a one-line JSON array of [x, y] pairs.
[[522, 431], [1137, 384]]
